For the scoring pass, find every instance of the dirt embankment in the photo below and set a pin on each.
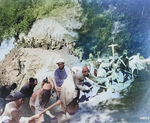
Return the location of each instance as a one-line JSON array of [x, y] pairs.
[[43, 46], [21, 64]]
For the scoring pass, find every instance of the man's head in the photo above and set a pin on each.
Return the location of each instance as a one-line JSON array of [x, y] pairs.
[[18, 98], [35, 81], [31, 81], [60, 63], [125, 53], [138, 54], [13, 86], [45, 80], [115, 56], [85, 71]]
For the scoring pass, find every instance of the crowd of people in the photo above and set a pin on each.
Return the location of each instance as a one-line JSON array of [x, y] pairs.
[[67, 84]]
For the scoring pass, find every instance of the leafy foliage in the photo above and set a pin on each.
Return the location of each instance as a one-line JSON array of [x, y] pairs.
[[18, 16], [15, 17], [96, 29], [134, 14], [98, 19]]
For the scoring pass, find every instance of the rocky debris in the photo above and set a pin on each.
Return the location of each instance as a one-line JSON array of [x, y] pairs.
[[55, 32], [50, 44], [22, 63], [48, 34]]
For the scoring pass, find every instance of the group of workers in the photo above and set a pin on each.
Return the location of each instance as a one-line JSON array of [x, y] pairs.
[[67, 84]]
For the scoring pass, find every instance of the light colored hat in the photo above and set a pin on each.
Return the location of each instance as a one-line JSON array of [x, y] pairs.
[[47, 86], [60, 61]]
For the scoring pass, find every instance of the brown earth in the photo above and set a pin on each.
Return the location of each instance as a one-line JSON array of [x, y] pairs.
[[21, 64]]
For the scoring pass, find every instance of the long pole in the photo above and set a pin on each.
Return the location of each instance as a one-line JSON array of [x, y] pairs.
[[55, 104], [112, 46]]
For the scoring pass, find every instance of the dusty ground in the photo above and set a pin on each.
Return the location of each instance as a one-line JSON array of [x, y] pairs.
[[21, 64]]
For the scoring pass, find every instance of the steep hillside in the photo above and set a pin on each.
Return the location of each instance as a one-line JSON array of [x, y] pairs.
[[23, 63]]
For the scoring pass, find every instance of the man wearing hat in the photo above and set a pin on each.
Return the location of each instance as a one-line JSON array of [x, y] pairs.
[[65, 88], [60, 73], [12, 111]]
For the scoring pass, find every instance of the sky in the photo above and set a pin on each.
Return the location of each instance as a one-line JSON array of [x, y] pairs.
[[5, 48]]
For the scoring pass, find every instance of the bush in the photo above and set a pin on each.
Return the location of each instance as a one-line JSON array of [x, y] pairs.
[[18, 16]]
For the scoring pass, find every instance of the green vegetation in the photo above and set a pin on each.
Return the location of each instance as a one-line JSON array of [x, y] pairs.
[[15, 17], [18, 16], [97, 19], [134, 35], [96, 29], [96, 32]]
